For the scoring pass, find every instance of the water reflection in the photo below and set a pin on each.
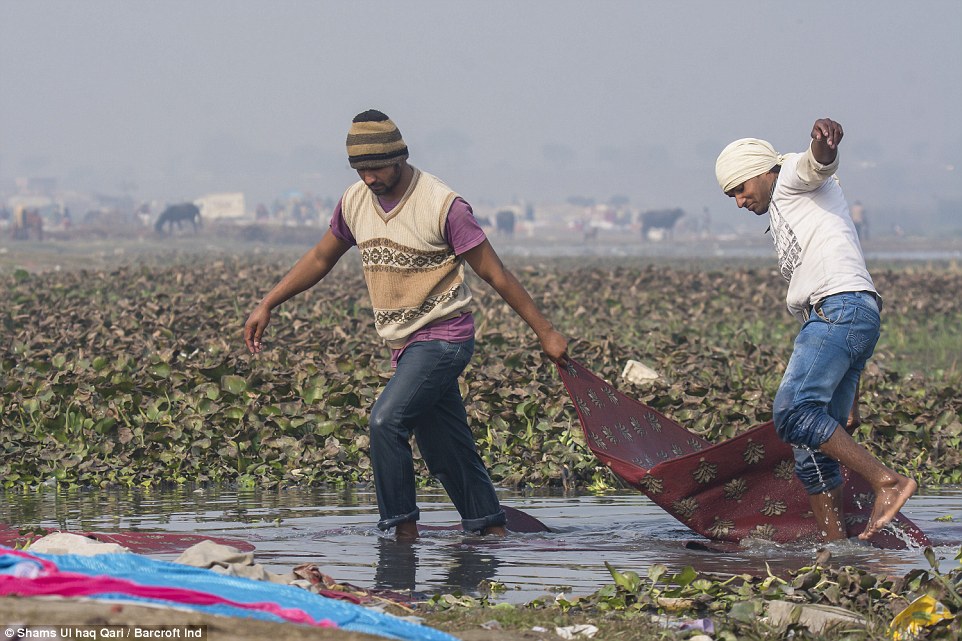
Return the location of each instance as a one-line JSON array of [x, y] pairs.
[[337, 531], [466, 566], [470, 567], [397, 565]]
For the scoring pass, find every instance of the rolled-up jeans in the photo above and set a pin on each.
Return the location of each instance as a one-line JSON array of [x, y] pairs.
[[423, 399], [819, 386]]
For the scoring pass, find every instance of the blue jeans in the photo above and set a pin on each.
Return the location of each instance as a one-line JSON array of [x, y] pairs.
[[423, 399], [818, 389]]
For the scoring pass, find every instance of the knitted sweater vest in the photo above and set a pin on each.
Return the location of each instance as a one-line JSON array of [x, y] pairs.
[[412, 274]]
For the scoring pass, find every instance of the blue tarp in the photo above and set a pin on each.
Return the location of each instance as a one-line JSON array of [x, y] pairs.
[[150, 572]]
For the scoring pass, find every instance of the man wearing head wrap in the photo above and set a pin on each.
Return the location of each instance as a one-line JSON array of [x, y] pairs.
[[414, 235], [832, 294]]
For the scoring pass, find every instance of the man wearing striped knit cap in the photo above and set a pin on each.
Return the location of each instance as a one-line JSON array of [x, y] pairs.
[[414, 235]]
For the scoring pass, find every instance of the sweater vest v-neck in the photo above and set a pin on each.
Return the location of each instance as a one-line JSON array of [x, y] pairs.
[[412, 274]]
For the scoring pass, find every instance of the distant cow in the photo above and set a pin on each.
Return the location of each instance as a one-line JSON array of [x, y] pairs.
[[179, 214], [659, 219]]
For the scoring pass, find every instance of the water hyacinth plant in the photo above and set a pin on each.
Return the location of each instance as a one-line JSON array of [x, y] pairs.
[[819, 601], [136, 374]]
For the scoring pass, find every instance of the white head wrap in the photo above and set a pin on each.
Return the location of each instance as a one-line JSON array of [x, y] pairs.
[[744, 159]]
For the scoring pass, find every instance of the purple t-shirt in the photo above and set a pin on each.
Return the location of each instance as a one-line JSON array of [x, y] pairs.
[[463, 234]]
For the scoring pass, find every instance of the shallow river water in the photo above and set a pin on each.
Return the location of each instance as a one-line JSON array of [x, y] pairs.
[[336, 531]]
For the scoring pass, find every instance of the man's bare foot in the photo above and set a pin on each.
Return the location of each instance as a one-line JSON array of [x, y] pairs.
[[495, 530], [406, 531], [888, 501]]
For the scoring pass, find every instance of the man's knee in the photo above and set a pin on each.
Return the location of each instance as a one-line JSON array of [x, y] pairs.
[[784, 416], [384, 425], [803, 425]]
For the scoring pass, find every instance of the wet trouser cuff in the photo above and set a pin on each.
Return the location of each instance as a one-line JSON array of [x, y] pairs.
[[394, 521], [816, 471], [478, 525]]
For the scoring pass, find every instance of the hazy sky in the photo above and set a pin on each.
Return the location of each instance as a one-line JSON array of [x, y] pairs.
[[522, 99]]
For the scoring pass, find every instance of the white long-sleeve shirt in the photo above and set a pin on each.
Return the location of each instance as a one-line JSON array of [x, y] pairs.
[[819, 253]]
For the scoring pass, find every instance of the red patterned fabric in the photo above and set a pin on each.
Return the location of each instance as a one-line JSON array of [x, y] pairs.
[[744, 487], [136, 542]]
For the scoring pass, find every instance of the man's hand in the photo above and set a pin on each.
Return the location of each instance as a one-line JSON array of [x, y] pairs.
[[827, 131], [555, 347], [254, 328], [826, 134]]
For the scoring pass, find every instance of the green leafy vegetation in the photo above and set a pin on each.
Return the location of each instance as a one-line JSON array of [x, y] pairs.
[[820, 601], [136, 375]]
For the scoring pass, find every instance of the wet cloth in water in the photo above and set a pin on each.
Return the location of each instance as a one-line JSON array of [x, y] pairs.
[[137, 578], [740, 488], [138, 542]]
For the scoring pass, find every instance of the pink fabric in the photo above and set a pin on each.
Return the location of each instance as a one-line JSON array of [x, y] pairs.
[[739, 488], [72, 584]]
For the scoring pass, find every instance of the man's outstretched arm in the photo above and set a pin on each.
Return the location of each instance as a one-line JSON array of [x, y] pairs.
[[307, 272], [487, 264]]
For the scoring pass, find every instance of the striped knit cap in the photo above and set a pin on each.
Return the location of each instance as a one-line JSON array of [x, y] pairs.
[[374, 141]]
